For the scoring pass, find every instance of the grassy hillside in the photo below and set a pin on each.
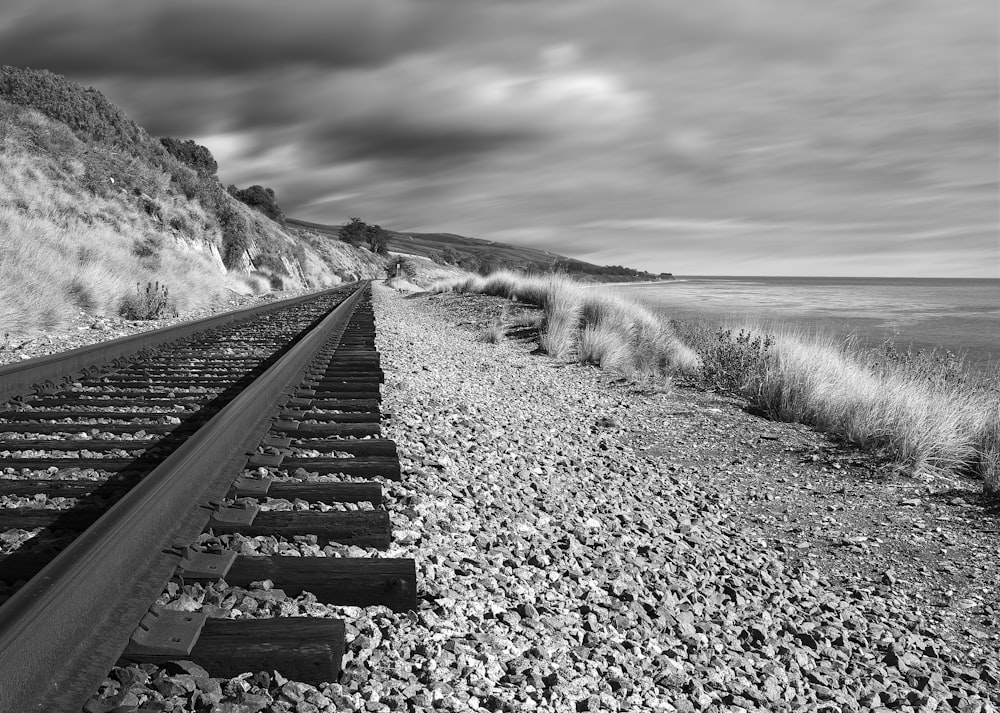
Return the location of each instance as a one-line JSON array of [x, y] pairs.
[[91, 205], [484, 256]]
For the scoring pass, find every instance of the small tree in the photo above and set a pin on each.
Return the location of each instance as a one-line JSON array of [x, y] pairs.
[[354, 232], [450, 256], [490, 263], [377, 239]]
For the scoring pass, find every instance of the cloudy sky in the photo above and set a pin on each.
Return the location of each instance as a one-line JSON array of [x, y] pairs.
[[754, 137]]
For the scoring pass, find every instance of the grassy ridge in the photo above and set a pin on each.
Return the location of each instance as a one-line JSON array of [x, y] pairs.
[[925, 414], [430, 245], [487, 256]]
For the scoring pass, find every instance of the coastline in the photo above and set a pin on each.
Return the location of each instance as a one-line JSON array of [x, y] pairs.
[[927, 314], [582, 544], [633, 282]]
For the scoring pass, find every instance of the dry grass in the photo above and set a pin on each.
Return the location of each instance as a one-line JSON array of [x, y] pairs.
[[924, 413], [55, 188], [601, 344], [325, 262], [927, 416], [590, 325], [496, 330], [987, 439], [252, 283], [562, 307], [422, 272], [49, 274]]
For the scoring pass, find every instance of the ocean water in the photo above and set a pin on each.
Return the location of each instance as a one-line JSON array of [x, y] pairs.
[[962, 315]]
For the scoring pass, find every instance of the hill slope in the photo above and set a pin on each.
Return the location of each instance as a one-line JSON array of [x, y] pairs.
[[484, 255], [91, 205]]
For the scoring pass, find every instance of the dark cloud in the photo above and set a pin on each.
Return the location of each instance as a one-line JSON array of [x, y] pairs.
[[394, 140], [229, 37]]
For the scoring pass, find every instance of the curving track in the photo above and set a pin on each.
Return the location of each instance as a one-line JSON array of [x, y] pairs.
[[115, 458]]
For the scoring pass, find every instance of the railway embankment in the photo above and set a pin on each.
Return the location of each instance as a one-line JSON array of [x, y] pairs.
[[584, 544]]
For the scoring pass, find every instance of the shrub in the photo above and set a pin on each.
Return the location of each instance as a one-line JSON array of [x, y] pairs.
[[449, 255], [153, 302], [940, 367], [189, 184], [191, 154], [377, 239], [262, 199], [235, 240], [737, 364], [86, 111]]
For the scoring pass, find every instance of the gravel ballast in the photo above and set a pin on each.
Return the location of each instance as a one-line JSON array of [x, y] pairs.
[[569, 570], [582, 545]]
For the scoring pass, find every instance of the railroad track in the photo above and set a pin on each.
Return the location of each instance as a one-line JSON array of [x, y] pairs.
[[119, 462]]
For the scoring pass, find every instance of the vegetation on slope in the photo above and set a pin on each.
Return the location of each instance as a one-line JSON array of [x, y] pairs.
[[929, 415], [486, 256], [90, 204]]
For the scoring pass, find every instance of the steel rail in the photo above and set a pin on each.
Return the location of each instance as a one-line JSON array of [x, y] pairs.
[[18, 378], [63, 631]]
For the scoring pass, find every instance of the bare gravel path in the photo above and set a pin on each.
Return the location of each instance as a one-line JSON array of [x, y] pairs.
[[582, 546]]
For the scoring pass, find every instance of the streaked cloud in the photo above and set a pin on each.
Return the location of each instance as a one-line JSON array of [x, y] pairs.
[[724, 136]]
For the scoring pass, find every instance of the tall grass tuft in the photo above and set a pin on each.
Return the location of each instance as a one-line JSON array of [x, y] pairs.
[[496, 330], [601, 344], [987, 447], [926, 414], [562, 306], [585, 324]]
